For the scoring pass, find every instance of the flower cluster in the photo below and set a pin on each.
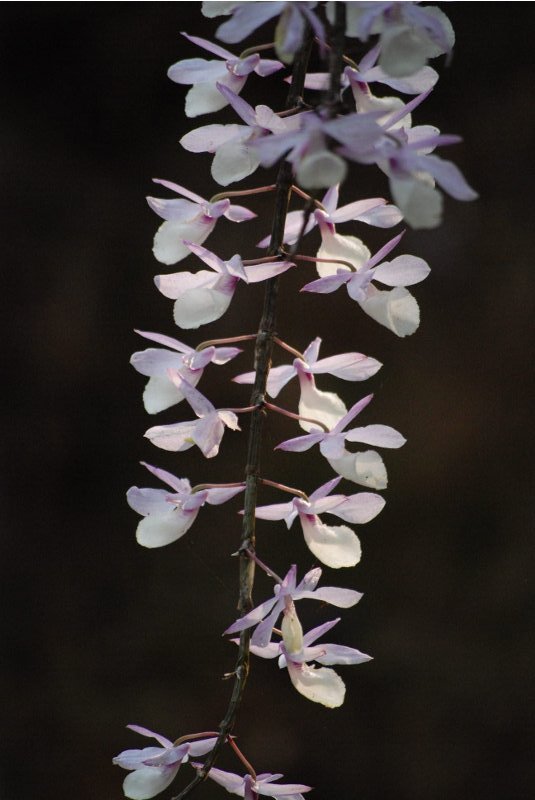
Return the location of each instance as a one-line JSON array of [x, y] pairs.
[[332, 121]]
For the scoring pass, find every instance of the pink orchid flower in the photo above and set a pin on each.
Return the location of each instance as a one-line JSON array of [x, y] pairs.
[[206, 432], [203, 297], [232, 145], [265, 616], [334, 545], [296, 650], [396, 309], [192, 218], [168, 515], [229, 70], [152, 769], [155, 362], [250, 788]]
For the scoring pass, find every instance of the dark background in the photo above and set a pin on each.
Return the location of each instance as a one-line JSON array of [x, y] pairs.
[[97, 632]]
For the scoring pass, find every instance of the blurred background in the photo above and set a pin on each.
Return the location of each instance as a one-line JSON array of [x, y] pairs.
[[97, 632]]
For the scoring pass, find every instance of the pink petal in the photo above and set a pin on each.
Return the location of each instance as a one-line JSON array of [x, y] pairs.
[[196, 70], [175, 438], [167, 341], [378, 435], [402, 271], [239, 214], [360, 508], [178, 484], [209, 138], [275, 511], [216, 49], [348, 366], [177, 284], [219, 494], [339, 654], [175, 187], [262, 272], [300, 443], [199, 403]]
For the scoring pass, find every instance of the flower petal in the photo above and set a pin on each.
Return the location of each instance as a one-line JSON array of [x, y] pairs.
[[175, 438], [325, 407], [161, 530], [169, 247], [395, 309], [359, 508], [160, 394], [348, 366], [378, 435], [321, 685], [334, 545], [208, 138], [201, 306], [402, 271], [142, 784], [148, 501], [233, 161], [340, 654], [366, 469]]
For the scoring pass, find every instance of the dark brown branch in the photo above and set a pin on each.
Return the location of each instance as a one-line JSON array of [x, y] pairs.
[[263, 350]]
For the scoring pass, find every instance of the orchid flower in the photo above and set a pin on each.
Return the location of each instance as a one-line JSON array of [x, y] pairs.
[[169, 515], [265, 616], [367, 72], [230, 70], [249, 788], [347, 464], [155, 362], [308, 149], [296, 650], [373, 211], [326, 407], [234, 157], [409, 33], [154, 768], [192, 218], [396, 309], [403, 153], [206, 432], [412, 172], [204, 296], [247, 17], [333, 545]]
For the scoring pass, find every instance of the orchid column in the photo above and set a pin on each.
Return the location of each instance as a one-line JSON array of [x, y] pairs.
[[314, 142]]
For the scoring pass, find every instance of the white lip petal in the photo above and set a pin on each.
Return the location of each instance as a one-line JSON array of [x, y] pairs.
[[160, 394], [200, 306], [147, 782], [419, 201], [395, 309], [158, 531], [341, 248], [321, 169], [232, 162], [366, 469], [321, 685], [326, 407], [334, 545], [168, 242]]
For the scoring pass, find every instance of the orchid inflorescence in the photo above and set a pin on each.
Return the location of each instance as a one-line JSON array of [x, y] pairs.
[[314, 141]]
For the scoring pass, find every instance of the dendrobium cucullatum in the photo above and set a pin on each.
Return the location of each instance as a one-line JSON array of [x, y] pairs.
[[332, 125]]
